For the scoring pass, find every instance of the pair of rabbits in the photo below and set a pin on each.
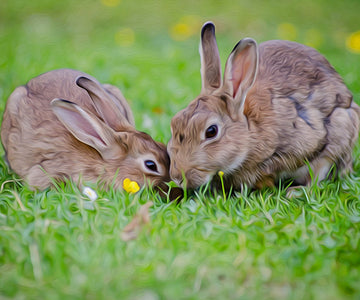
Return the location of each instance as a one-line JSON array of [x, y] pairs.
[[280, 109]]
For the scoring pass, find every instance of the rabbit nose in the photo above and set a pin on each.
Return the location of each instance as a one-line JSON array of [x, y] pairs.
[[178, 178], [176, 175], [178, 181]]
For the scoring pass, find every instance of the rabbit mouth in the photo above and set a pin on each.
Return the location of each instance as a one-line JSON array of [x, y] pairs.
[[173, 193], [196, 177]]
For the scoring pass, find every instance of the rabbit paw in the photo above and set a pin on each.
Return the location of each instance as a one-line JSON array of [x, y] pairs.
[[294, 191]]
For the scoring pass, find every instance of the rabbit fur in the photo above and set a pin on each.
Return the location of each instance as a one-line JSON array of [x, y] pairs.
[[280, 109], [65, 124]]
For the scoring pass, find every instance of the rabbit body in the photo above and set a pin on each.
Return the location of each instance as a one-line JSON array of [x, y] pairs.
[[279, 106], [88, 136]]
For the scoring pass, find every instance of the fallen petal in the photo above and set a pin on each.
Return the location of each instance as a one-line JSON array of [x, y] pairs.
[[142, 217]]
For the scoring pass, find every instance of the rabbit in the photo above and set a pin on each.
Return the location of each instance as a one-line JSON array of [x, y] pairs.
[[280, 112], [65, 124]]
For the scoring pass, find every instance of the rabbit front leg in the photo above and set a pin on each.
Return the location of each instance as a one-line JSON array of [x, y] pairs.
[[320, 169], [265, 181]]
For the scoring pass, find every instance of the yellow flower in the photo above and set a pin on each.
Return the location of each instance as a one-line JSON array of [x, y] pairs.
[[130, 186], [221, 175], [180, 31], [353, 42], [185, 28], [111, 3], [287, 31], [125, 37]]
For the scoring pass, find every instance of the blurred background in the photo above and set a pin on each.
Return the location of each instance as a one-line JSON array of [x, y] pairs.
[[149, 49]]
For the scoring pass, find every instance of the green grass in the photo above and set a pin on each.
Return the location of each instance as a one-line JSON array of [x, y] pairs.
[[55, 244]]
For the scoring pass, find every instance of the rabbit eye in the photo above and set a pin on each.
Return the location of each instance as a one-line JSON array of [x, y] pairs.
[[211, 131], [151, 165]]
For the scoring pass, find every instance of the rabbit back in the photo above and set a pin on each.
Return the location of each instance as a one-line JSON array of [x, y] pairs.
[[303, 110]]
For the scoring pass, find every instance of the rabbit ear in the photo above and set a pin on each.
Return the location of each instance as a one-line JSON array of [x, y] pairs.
[[240, 71], [86, 127], [104, 104], [210, 59]]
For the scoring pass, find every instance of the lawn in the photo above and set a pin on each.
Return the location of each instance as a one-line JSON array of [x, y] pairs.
[[58, 244]]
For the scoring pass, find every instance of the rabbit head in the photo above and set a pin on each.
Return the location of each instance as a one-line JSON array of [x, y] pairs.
[[210, 135]]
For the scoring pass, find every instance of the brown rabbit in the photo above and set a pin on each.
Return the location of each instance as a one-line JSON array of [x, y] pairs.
[[88, 136], [280, 108]]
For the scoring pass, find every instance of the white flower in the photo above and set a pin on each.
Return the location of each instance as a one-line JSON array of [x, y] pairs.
[[90, 193]]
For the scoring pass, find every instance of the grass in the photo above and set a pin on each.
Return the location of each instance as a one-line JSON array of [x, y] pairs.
[[56, 244]]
